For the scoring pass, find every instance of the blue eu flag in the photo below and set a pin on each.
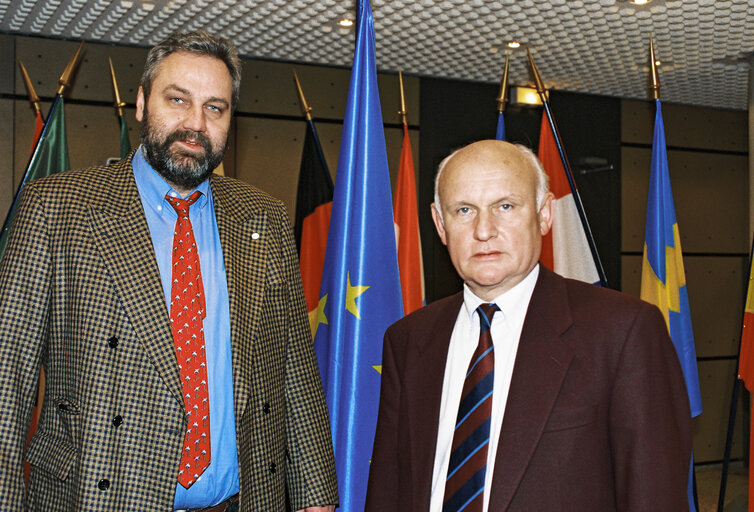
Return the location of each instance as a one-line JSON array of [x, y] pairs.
[[360, 294]]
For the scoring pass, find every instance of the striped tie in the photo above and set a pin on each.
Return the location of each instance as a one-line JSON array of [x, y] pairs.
[[464, 487]]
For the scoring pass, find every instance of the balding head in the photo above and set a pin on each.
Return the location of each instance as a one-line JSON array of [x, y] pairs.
[[491, 210], [496, 149]]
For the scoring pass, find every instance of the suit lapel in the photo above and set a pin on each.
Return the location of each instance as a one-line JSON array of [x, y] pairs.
[[424, 395], [238, 223], [121, 234], [541, 364]]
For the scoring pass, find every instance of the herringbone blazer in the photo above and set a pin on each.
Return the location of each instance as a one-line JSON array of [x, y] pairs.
[[80, 293]]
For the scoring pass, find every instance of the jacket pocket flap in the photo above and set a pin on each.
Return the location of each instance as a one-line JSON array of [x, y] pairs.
[[52, 455], [563, 419]]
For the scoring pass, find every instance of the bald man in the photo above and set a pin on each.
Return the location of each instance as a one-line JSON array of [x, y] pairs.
[[525, 391]]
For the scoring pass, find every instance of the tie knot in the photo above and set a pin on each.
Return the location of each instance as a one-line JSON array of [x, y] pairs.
[[182, 205], [486, 311]]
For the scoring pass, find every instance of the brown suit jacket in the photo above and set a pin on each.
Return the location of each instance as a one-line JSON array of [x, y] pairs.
[[597, 417], [80, 292]]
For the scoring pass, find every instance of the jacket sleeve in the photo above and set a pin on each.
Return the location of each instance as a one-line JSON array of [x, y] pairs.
[[382, 489], [310, 463], [650, 421], [25, 275]]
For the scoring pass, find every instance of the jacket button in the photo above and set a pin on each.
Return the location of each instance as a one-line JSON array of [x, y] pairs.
[[104, 484], [273, 467], [118, 421], [266, 408], [113, 342]]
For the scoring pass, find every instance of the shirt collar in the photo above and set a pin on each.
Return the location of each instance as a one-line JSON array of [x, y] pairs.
[[153, 187], [512, 303]]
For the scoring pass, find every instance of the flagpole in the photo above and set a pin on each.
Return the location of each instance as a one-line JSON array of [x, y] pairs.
[[306, 111], [403, 113], [566, 166], [33, 98], [118, 103], [502, 95]]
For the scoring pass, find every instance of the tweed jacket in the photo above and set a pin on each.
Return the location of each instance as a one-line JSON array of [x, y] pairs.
[[597, 417], [80, 293]]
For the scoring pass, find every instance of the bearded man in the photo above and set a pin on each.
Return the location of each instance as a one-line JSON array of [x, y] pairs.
[[166, 307]]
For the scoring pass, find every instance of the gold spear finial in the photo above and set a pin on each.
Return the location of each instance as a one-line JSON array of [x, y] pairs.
[[653, 66], [33, 98], [502, 96], [537, 77], [306, 110], [118, 103], [403, 113], [65, 78]]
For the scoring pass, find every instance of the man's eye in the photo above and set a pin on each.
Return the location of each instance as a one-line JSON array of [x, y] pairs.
[[176, 100], [464, 210], [214, 108], [506, 207]]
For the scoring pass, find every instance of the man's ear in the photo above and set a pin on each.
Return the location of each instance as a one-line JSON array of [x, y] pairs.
[[438, 223], [140, 104], [545, 214]]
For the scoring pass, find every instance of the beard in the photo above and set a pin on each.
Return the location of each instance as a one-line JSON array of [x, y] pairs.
[[182, 169]]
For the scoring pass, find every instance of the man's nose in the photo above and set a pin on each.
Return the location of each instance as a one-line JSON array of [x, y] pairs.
[[484, 227], [194, 120]]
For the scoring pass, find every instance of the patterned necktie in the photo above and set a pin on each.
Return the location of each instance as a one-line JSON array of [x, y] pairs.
[[464, 487], [186, 314]]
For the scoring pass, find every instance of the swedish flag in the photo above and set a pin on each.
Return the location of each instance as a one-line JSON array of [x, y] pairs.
[[663, 279], [360, 293]]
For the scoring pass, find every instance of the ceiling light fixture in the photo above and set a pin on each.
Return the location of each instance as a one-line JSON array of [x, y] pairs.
[[345, 22], [514, 44], [522, 95], [640, 2]]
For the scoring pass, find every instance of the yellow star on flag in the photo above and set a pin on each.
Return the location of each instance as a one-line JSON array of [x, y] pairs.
[[321, 318], [351, 293], [378, 367]]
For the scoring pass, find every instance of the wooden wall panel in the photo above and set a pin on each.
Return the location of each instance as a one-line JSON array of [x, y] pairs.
[[6, 162], [268, 88], [7, 64], [685, 126], [45, 60], [268, 153], [710, 191]]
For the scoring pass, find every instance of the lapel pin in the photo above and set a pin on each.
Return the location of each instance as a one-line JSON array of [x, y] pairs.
[[254, 236]]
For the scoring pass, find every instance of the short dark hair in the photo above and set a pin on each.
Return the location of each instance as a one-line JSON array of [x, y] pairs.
[[198, 42]]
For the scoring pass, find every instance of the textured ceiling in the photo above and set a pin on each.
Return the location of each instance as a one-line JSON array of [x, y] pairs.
[[598, 47]]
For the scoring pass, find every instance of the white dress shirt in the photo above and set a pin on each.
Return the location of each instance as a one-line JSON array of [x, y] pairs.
[[506, 332]]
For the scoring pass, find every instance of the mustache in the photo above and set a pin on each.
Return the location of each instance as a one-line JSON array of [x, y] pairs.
[[180, 135]]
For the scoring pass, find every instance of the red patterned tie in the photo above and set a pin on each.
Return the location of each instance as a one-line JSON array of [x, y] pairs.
[[186, 314]]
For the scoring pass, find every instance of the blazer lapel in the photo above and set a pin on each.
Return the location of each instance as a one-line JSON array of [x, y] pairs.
[[423, 394], [242, 227], [541, 364], [121, 234]]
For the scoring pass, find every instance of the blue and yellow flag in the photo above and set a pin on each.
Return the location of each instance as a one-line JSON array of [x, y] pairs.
[[360, 294], [663, 279]]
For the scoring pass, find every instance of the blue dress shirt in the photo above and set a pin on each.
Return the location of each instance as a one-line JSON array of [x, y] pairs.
[[220, 480]]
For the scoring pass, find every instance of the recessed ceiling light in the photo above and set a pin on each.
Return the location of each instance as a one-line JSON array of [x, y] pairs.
[[514, 44], [345, 22], [640, 2], [658, 62]]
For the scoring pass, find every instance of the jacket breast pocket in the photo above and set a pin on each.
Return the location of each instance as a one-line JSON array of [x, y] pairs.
[[564, 419]]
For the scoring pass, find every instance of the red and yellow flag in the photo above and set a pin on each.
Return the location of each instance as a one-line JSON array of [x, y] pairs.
[[746, 362]]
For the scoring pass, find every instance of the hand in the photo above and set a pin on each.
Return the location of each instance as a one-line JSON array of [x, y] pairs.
[[328, 508]]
